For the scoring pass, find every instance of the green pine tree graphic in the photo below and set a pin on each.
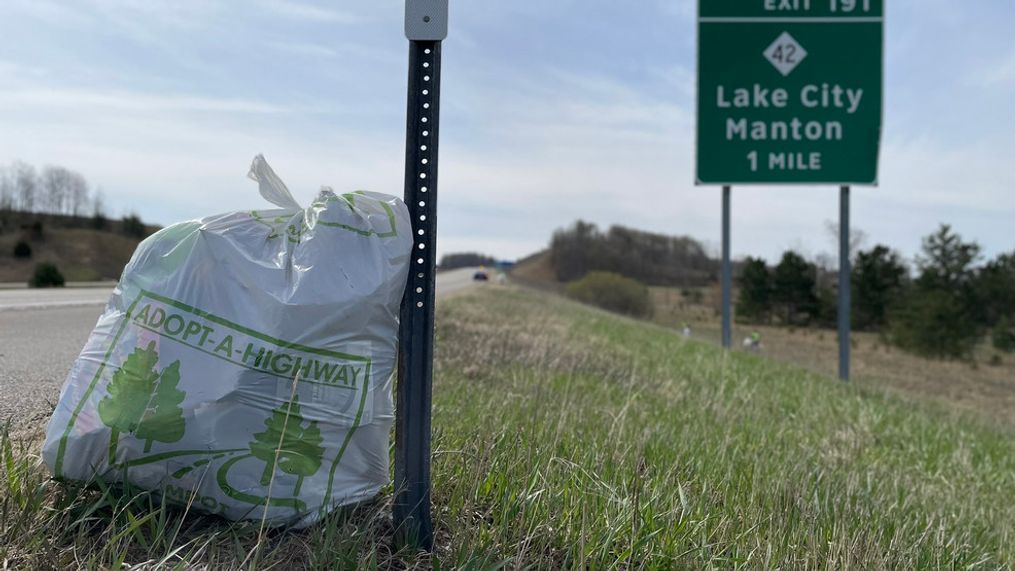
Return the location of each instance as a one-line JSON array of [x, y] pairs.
[[299, 448], [163, 419], [143, 402]]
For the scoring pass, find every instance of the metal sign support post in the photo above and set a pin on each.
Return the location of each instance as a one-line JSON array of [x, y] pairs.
[[426, 24], [727, 271], [844, 284]]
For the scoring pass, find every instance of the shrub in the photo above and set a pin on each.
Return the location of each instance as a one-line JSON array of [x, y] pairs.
[[22, 250], [1004, 336], [933, 323], [693, 295], [99, 221], [46, 275], [133, 227], [612, 292]]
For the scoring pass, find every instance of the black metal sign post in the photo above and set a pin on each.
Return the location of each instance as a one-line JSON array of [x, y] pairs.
[[844, 284], [426, 24], [727, 272]]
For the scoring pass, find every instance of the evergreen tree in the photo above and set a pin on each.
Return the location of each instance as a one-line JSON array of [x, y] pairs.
[[932, 323], [879, 279], [1003, 337], [132, 226], [947, 263], [22, 250], [754, 302], [163, 418], [826, 305], [939, 316], [996, 290], [793, 284], [298, 448]]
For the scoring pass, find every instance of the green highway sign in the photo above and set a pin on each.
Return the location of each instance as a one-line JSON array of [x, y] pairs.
[[789, 91]]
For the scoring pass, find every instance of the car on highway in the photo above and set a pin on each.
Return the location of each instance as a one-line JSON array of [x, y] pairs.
[[481, 276]]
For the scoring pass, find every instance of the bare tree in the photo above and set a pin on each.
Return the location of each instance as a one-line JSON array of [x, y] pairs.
[[25, 185], [77, 194], [827, 265], [857, 238], [99, 203], [54, 189], [6, 191], [57, 190], [62, 191]]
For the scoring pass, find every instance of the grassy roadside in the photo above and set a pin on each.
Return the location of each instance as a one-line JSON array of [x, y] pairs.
[[568, 437], [984, 386]]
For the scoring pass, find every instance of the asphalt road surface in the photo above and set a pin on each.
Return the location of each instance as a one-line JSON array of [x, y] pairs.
[[24, 299], [42, 332]]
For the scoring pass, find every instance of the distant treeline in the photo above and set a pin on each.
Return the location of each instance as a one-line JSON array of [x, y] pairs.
[[56, 196], [466, 260], [943, 309], [652, 259], [942, 304], [52, 190]]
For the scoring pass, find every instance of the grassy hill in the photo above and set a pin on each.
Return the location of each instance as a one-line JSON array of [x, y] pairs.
[[568, 437], [984, 384], [536, 271], [81, 251]]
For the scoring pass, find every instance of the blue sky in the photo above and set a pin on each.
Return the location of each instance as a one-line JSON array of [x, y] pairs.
[[552, 111]]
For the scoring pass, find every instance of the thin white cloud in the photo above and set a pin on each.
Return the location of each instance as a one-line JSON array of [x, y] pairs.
[[307, 11], [84, 100], [347, 50], [304, 49], [163, 13]]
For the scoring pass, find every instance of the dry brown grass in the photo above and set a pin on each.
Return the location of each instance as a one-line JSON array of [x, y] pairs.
[[985, 389], [81, 254], [537, 271]]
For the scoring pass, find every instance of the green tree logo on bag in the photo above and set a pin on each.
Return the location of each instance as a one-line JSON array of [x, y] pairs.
[[298, 449], [143, 402]]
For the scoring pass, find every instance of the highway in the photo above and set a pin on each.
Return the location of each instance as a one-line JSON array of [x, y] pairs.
[[24, 298], [43, 330]]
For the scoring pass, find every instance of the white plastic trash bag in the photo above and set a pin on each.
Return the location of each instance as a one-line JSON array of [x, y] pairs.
[[244, 361]]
